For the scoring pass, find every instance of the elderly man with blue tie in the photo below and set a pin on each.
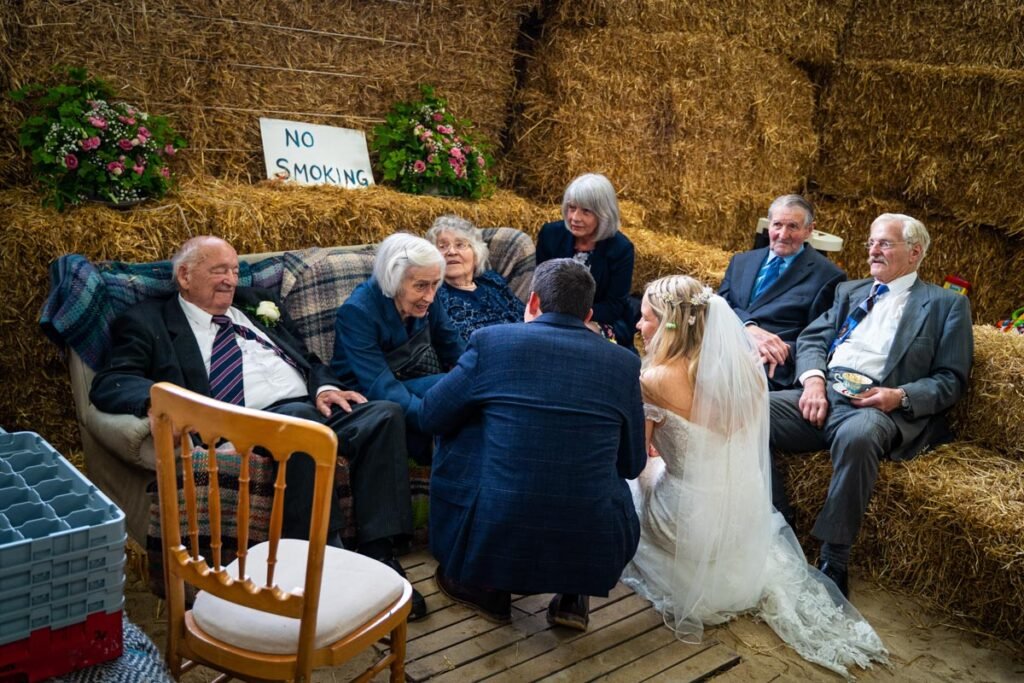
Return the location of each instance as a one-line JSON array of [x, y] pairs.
[[914, 340]]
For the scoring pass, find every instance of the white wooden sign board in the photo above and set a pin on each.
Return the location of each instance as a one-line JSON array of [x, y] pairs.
[[310, 154]]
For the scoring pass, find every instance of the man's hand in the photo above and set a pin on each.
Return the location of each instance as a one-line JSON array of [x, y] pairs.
[[814, 402], [336, 397], [770, 347], [885, 399]]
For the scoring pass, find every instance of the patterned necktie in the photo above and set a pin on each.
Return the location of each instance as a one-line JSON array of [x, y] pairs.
[[249, 334], [857, 314], [768, 275], [226, 364]]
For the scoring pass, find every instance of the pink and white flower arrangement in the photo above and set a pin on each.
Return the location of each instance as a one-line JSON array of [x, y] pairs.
[[423, 148], [86, 146]]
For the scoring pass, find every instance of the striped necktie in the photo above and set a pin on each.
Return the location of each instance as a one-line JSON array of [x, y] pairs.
[[767, 277], [226, 364], [858, 314]]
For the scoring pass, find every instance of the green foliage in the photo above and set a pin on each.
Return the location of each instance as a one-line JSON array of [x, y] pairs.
[[84, 146], [423, 147]]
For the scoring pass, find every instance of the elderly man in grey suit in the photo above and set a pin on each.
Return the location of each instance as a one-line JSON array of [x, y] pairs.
[[915, 340]]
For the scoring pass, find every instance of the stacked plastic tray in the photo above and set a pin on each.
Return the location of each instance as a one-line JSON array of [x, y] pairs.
[[61, 564]]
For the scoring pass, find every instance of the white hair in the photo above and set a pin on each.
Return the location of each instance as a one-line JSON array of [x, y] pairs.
[[912, 229], [460, 227], [396, 254], [594, 192]]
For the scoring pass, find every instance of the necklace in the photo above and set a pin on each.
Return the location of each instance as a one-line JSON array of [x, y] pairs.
[[471, 287]]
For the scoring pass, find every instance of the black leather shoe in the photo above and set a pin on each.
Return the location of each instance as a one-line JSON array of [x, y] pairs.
[[419, 605], [571, 611], [492, 605], [840, 577]]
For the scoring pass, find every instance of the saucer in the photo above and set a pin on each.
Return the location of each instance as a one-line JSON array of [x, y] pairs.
[[839, 388]]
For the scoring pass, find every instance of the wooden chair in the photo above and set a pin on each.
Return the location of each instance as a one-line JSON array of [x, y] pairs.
[[261, 616]]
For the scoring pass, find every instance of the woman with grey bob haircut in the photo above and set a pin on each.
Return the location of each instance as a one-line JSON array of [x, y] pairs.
[[392, 338], [473, 295], [589, 233]]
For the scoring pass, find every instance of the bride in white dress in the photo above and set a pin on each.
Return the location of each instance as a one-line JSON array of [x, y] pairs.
[[711, 545]]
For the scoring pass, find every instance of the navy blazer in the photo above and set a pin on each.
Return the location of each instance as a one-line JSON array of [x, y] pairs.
[[803, 292], [153, 342], [367, 327], [611, 264], [930, 357], [542, 422]]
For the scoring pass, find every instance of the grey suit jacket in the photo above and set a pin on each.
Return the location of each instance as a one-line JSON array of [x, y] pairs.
[[930, 357]]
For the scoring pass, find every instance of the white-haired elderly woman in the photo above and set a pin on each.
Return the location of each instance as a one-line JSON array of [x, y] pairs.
[[472, 295], [589, 233], [392, 338]]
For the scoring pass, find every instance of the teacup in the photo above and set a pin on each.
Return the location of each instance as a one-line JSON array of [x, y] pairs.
[[854, 382]]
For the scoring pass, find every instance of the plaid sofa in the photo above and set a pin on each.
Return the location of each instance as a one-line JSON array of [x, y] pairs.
[[312, 283]]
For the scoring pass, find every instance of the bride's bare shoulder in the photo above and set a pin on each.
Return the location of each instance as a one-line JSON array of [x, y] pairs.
[[668, 386]]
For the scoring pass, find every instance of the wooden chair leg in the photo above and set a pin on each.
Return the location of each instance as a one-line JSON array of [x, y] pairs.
[[398, 635]]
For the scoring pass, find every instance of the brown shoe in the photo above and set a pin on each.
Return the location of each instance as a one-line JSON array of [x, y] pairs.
[[569, 610], [492, 605]]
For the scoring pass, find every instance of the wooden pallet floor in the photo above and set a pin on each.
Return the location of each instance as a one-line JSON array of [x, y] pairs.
[[626, 641]]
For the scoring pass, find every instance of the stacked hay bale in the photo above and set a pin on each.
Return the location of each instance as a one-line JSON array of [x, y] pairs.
[[216, 68], [701, 130]]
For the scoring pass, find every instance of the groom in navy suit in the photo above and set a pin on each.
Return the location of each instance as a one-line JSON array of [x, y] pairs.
[[914, 340], [213, 323], [779, 289], [541, 424]]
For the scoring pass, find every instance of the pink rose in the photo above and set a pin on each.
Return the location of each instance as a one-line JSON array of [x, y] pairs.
[[89, 144], [126, 120], [480, 161], [446, 130], [70, 162], [165, 172], [430, 158], [169, 149], [456, 153], [138, 168], [125, 144], [419, 166], [438, 116], [98, 121], [115, 167], [143, 133]]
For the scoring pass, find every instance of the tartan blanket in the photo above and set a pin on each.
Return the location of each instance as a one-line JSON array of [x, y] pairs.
[[85, 298]]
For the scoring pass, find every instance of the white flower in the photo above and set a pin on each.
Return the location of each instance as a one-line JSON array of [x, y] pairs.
[[268, 312]]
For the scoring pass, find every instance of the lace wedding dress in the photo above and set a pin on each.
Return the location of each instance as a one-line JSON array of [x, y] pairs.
[[711, 545]]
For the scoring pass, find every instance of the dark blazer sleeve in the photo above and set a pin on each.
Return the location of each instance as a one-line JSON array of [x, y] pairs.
[[615, 277], [726, 289], [122, 386], [451, 402], [632, 453], [551, 241]]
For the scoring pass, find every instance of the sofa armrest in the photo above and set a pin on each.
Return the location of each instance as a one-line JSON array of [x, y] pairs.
[[126, 436]]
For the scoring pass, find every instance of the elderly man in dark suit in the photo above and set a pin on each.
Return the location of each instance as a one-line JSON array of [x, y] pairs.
[[914, 340], [542, 422], [235, 344], [779, 289]]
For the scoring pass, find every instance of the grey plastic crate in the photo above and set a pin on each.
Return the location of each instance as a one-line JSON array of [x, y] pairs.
[[61, 541]]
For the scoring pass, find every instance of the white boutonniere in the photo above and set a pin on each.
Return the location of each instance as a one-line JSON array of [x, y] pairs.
[[268, 313]]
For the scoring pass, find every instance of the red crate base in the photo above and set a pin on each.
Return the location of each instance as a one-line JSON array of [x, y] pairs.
[[47, 653]]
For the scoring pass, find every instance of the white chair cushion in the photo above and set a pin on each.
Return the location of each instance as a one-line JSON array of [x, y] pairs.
[[354, 588]]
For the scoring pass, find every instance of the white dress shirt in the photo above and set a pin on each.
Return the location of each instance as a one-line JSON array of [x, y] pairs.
[[866, 350], [267, 378]]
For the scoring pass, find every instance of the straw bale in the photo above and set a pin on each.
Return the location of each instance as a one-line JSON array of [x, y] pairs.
[[993, 410], [216, 68], [801, 30], [950, 138], [686, 115], [939, 32], [987, 258], [947, 526]]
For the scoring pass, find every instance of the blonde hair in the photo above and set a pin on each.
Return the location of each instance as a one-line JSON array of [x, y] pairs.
[[680, 303]]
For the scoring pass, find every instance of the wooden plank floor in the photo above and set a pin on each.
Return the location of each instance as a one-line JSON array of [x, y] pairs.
[[626, 642]]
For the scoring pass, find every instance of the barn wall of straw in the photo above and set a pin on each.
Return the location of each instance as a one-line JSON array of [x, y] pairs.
[[690, 125], [948, 526], [984, 256], [989, 33], [216, 67], [946, 137], [770, 25]]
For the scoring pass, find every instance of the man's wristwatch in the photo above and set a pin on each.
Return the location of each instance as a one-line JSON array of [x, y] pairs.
[[904, 400]]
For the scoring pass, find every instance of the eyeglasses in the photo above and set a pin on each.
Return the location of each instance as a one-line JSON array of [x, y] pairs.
[[884, 245], [458, 245]]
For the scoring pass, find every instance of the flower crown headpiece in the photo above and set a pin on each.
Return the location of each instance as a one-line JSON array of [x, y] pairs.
[[701, 298]]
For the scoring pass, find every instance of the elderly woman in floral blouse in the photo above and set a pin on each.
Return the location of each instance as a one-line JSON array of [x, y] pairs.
[[472, 295]]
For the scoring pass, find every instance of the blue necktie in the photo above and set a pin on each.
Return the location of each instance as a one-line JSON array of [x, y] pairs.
[[767, 277], [857, 314], [226, 364]]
